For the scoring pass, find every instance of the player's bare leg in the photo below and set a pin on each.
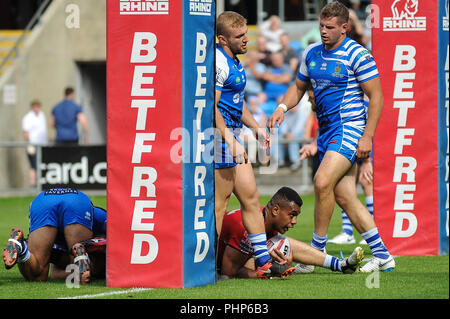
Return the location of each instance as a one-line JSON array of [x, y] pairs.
[[360, 217], [246, 191], [347, 199], [40, 242], [330, 171], [309, 257], [224, 184]]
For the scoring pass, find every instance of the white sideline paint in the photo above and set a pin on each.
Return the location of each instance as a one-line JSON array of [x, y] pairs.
[[106, 294]]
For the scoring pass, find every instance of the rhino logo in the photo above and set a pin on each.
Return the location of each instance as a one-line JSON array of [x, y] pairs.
[[404, 8], [404, 17]]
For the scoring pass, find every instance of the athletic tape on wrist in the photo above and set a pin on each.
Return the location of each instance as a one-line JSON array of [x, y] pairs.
[[283, 106]]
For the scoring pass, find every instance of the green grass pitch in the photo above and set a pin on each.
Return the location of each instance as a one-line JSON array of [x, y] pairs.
[[413, 278]]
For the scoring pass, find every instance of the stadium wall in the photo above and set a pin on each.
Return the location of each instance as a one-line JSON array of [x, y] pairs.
[[69, 33]]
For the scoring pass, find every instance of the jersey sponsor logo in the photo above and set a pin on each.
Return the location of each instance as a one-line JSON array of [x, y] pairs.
[[404, 17], [200, 7], [144, 7], [60, 191]]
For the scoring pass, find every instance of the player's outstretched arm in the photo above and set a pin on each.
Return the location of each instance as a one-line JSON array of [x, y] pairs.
[[291, 98]]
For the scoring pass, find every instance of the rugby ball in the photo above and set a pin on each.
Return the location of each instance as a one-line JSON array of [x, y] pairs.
[[281, 243]]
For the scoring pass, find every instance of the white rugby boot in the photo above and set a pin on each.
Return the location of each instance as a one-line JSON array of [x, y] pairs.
[[303, 269], [342, 239], [378, 264]]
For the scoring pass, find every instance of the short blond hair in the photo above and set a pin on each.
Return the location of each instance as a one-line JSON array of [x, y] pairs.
[[335, 9], [227, 20]]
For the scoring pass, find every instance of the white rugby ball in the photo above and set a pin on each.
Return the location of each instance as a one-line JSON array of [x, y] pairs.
[[281, 243]]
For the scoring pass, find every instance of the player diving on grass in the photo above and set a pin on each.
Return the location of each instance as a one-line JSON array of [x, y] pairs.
[[63, 222], [233, 173], [234, 258], [340, 71]]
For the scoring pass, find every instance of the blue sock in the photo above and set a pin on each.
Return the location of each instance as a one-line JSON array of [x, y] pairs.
[[375, 243], [369, 204], [259, 244], [24, 254], [347, 226], [319, 242], [332, 263]]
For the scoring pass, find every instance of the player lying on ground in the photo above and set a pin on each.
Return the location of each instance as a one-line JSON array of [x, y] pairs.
[[234, 258], [59, 217]]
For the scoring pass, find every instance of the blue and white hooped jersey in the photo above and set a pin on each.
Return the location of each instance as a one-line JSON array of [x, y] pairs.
[[335, 76], [230, 80]]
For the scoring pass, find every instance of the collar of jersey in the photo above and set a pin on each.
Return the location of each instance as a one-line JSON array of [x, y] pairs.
[[336, 49], [235, 61]]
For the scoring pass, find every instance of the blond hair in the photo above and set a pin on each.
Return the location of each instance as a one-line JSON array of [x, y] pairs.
[[227, 20], [335, 9]]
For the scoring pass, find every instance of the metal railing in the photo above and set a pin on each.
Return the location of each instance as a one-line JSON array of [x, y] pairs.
[[303, 172], [15, 49]]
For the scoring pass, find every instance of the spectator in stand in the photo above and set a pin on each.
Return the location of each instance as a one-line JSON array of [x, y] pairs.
[[264, 53], [248, 136], [272, 31], [34, 127], [277, 78], [254, 86], [356, 30], [289, 54], [292, 129], [65, 118], [359, 9]]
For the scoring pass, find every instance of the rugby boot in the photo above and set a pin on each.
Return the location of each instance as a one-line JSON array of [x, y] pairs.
[[81, 260], [352, 263], [379, 264], [274, 269], [301, 268], [15, 247]]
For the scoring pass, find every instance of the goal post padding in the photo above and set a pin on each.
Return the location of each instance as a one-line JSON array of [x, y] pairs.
[[160, 180], [410, 46]]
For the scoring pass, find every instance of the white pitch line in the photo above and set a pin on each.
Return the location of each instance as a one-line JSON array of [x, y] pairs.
[[106, 294]]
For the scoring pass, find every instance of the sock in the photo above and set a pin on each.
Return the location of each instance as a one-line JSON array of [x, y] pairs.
[[332, 263], [375, 243], [24, 255], [259, 244], [319, 242], [347, 226], [369, 204]]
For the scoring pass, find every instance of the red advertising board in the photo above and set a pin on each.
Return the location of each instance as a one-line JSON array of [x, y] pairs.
[[405, 47], [144, 99]]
